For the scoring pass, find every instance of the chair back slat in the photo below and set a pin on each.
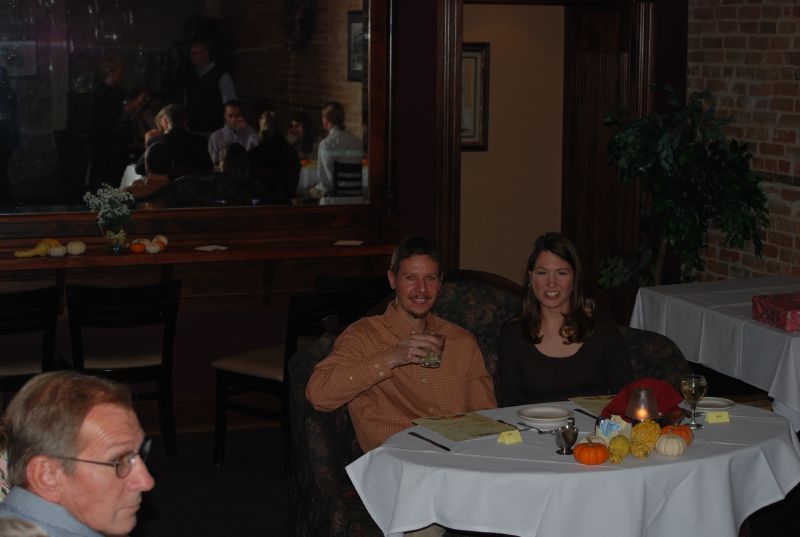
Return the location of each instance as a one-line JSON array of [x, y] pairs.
[[347, 179]]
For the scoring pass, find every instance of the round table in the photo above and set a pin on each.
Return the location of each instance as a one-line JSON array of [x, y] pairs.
[[729, 471]]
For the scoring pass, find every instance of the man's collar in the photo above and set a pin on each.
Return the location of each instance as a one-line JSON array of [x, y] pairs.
[[399, 322], [33, 507]]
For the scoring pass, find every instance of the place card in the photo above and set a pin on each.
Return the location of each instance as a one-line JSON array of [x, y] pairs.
[[720, 416], [509, 437]]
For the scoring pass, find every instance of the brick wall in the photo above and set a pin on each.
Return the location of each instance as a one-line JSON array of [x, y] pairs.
[[747, 52], [271, 75]]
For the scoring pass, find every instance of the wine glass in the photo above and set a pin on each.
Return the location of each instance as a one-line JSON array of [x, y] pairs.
[[693, 388]]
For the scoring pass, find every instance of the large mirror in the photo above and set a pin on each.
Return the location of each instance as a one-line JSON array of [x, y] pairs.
[[83, 81]]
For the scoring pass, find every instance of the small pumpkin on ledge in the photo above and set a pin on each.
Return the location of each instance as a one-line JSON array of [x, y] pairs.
[[590, 452]]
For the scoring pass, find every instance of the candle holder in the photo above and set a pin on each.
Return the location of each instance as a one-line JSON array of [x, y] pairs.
[[642, 405]]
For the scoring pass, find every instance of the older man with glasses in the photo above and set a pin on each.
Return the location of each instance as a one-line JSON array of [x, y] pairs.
[[76, 456]]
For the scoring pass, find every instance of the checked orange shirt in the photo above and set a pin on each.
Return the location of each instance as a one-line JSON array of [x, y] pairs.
[[383, 401]]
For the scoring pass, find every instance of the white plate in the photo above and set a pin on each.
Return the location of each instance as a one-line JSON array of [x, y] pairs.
[[715, 403], [544, 416]]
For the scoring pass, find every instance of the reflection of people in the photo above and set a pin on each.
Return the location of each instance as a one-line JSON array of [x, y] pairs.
[[275, 162], [110, 131], [157, 164], [189, 150], [302, 135], [559, 348], [76, 456], [207, 89], [235, 131], [339, 145], [9, 132], [373, 368]]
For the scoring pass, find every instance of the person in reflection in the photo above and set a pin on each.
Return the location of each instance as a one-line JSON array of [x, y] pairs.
[[340, 145], [560, 347], [374, 366], [76, 456], [207, 89], [157, 163], [189, 150], [110, 130], [9, 133], [275, 162], [302, 136], [235, 131]]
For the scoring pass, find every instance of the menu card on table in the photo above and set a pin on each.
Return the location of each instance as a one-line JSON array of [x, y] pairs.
[[460, 427]]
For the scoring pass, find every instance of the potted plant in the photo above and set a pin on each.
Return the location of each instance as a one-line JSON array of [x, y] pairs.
[[691, 178]]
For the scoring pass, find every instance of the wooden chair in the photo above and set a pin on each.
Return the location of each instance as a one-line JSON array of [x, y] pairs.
[[347, 180], [26, 312], [264, 370], [131, 337]]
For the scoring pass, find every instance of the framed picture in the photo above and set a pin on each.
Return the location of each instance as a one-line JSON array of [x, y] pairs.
[[355, 46], [19, 57], [475, 97]]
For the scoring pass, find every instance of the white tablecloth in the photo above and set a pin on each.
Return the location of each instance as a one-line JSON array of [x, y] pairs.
[[730, 471], [712, 323]]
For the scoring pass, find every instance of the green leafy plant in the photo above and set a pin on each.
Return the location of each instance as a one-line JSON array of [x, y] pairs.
[[691, 178]]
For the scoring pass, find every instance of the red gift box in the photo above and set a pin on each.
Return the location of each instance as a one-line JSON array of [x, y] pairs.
[[781, 311]]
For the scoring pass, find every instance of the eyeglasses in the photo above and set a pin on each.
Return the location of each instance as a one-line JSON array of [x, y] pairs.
[[122, 465]]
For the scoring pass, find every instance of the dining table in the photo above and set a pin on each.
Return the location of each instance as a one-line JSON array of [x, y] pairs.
[[712, 324], [729, 471]]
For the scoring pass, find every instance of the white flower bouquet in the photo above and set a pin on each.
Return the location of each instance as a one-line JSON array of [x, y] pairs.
[[111, 206]]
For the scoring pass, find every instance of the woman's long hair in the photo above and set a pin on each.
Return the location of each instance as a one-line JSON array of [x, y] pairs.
[[578, 323]]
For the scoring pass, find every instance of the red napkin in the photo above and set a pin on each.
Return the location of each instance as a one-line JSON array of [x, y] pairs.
[[667, 397]]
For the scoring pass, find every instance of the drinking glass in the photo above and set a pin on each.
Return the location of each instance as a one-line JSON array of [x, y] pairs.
[[693, 388], [431, 358], [566, 436]]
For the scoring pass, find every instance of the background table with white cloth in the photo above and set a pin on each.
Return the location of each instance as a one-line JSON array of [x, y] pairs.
[[730, 471], [712, 323]]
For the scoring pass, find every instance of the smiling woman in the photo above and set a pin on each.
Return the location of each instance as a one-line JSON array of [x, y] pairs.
[[282, 56]]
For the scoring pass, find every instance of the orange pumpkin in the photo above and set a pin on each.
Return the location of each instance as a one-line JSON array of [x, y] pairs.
[[590, 453], [137, 247], [684, 431]]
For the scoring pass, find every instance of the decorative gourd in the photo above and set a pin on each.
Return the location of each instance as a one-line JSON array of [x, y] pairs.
[[640, 450], [684, 431], [76, 247], [57, 251], [161, 238], [41, 249], [152, 247], [618, 448], [593, 438], [137, 247], [590, 452], [646, 432], [671, 445]]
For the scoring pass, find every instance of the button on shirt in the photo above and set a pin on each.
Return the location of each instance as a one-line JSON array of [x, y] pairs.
[[383, 401], [221, 138], [51, 517]]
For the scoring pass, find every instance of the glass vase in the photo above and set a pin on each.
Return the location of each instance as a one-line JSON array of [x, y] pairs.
[[117, 239]]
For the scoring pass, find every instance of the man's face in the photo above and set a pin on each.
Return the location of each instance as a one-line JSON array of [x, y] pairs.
[[325, 123], [416, 285], [233, 117], [93, 493], [199, 55]]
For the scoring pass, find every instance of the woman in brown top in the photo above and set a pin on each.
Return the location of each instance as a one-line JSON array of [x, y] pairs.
[[560, 347]]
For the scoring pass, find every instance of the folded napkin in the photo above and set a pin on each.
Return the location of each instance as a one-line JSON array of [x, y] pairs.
[[667, 397]]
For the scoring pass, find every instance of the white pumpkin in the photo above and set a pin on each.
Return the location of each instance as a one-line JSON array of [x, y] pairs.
[[161, 238], [57, 251], [670, 445], [151, 247], [76, 247]]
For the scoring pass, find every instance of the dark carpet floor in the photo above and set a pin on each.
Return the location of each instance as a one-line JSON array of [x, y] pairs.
[[192, 497]]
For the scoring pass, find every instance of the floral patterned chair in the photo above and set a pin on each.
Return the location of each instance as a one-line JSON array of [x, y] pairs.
[[324, 502]]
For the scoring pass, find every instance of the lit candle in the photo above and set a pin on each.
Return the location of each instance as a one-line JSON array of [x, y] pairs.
[[642, 414]]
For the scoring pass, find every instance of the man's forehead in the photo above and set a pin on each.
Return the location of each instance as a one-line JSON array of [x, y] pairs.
[[418, 263]]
